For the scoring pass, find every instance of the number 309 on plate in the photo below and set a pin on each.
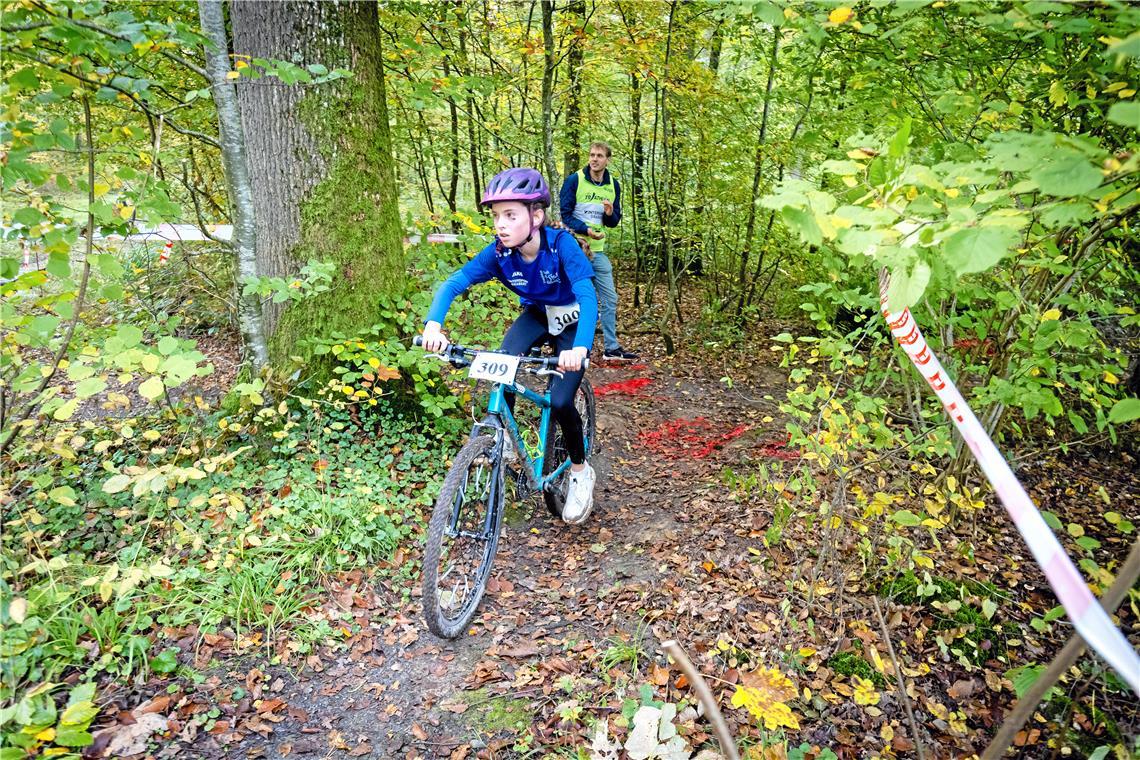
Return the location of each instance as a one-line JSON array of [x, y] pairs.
[[498, 368]]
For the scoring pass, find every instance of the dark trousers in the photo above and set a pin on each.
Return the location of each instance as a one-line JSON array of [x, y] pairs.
[[528, 331]]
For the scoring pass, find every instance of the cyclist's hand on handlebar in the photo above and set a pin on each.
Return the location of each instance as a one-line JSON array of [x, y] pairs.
[[434, 340], [571, 360]]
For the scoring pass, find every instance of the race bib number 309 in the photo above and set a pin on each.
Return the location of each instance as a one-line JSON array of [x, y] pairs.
[[498, 368]]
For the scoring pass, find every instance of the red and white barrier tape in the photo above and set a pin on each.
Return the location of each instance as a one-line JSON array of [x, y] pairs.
[[1083, 610]]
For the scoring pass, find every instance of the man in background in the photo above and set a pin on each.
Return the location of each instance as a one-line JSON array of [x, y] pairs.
[[590, 201]]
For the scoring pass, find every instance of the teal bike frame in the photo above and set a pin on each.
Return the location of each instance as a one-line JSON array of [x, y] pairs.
[[498, 407]]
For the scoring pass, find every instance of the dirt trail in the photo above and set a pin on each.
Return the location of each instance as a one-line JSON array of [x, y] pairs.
[[559, 597], [570, 626]]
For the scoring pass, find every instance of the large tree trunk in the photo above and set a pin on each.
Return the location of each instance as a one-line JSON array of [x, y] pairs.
[[236, 165], [321, 162]]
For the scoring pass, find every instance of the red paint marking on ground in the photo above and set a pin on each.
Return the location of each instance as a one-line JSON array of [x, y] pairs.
[[633, 387], [717, 441], [695, 438], [777, 448]]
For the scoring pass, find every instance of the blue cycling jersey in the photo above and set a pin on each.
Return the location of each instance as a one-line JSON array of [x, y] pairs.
[[559, 275]]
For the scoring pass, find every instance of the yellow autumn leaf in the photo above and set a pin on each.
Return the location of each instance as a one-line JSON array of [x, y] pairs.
[[232, 75], [951, 192], [839, 15], [865, 693], [374, 363], [101, 188], [763, 693], [1051, 316], [1110, 378], [240, 64], [772, 714]]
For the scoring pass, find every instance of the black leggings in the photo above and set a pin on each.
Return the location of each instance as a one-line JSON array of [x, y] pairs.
[[528, 331]]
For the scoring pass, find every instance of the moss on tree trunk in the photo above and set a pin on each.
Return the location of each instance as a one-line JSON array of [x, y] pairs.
[[327, 187]]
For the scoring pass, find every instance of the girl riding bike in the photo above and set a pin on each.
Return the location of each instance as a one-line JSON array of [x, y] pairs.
[[546, 268]]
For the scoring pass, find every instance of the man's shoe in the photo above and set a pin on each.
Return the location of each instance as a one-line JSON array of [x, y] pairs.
[[579, 496], [619, 354]]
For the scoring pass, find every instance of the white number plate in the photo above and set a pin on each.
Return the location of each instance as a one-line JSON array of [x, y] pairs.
[[558, 318], [498, 368]]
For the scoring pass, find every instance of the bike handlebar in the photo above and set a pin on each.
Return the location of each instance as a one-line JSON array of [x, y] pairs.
[[456, 354]]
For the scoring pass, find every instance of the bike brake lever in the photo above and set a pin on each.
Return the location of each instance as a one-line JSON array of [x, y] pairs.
[[549, 372]]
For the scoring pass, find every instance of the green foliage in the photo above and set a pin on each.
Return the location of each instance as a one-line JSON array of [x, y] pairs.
[[364, 363], [313, 278], [34, 724], [851, 663]]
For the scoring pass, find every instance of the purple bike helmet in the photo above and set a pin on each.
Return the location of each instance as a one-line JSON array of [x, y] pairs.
[[518, 184]]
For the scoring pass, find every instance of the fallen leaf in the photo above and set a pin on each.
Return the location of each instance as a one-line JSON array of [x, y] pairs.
[[901, 744], [132, 739], [962, 689], [522, 650], [156, 705], [418, 732], [455, 707]]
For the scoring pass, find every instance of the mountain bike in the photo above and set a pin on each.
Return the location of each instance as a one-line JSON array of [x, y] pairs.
[[463, 533]]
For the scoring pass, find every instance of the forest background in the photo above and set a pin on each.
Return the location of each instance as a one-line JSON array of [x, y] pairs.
[[199, 439]]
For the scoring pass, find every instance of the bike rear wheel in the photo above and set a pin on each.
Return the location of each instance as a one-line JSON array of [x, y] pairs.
[[463, 536], [556, 453]]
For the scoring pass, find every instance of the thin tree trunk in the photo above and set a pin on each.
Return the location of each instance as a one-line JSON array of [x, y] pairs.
[[757, 167], [752, 295], [666, 151], [571, 158], [699, 216], [476, 183], [453, 185], [637, 188], [239, 184], [548, 92], [717, 42]]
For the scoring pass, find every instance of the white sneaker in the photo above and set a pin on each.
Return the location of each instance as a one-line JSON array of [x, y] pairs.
[[579, 496]]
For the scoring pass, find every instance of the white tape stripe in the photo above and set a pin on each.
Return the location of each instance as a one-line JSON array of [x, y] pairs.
[[1087, 616]]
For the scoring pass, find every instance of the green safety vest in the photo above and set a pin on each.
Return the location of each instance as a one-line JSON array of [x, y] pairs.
[[588, 205]]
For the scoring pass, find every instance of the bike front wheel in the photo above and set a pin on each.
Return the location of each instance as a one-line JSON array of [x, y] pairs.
[[463, 536], [555, 494]]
